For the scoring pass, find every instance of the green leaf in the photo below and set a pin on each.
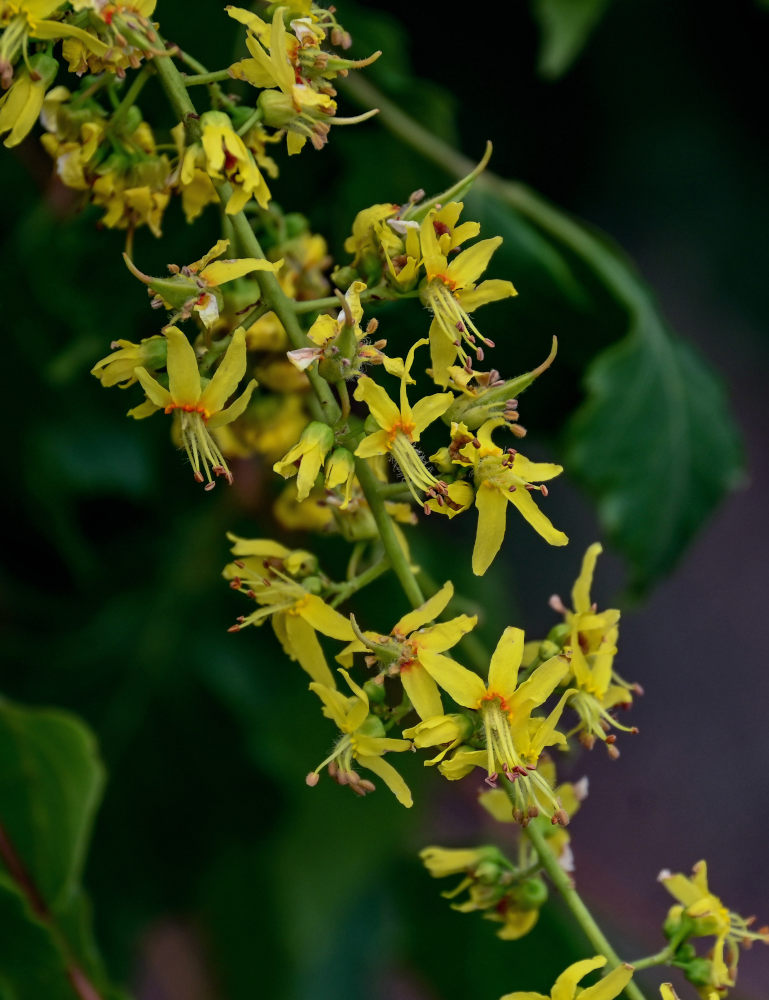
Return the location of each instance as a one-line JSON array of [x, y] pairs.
[[50, 786], [654, 444], [566, 26]]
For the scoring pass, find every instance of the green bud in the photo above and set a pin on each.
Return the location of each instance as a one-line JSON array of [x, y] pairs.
[[375, 692], [43, 67], [548, 648], [488, 872], [698, 972], [276, 107], [686, 953], [372, 726], [531, 894], [313, 584], [343, 277], [558, 635]]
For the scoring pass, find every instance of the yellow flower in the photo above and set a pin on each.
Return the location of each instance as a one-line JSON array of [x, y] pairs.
[[341, 347], [194, 286], [414, 651], [712, 918], [289, 98], [501, 477], [363, 242], [265, 571], [119, 367], [307, 456], [340, 471], [199, 407], [567, 984], [592, 646], [450, 292], [21, 105], [401, 427], [362, 739], [513, 739], [21, 20], [312, 514], [224, 156]]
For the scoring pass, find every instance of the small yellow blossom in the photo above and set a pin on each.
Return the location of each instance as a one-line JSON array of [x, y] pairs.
[[198, 405], [119, 368], [567, 984], [193, 288], [22, 103], [306, 458], [265, 571], [501, 477], [514, 740], [362, 739], [223, 155], [415, 649], [592, 646], [450, 290], [400, 427], [712, 918]]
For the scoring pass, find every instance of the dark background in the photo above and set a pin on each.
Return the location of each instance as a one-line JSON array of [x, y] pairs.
[[214, 872]]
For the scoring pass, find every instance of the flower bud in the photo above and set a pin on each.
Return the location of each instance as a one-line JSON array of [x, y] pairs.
[[698, 972], [531, 894], [375, 692], [276, 107]]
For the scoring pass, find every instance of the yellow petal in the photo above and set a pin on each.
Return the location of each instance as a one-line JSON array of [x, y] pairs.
[[182, 367], [234, 410], [443, 353], [221, 271], [434, 261], [391, 778], [535, 472], [422, 691], [334, 703], [382, 408], [566, 984], [524, 995], [429, 408], [466, 268], [497, 804], [491, 526], [325, 619], [491, 290], [447, 634], [542, 682], [580, 594], [505, 661], [303, 645], [517, 924], [156, 393], [611, 985], [231, 370], [542, 525], [461, 684], [374, 444], [426, 612]]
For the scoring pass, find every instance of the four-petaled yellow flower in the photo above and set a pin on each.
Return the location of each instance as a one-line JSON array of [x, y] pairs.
[[450, 292], [401, 427], [363, 740], [418, 648], [712, 918], [514, 740], [567, 984], [199, 404]]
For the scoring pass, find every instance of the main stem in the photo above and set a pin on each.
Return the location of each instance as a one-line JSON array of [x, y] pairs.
[[575, 903], [176, 90]]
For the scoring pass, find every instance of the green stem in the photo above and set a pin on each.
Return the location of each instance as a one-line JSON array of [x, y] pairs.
[[197, 79], [573, 900], [359, 582], [392, 546], [282, 306], [130, 96], [253, 118], [661, 958], [332, 302]]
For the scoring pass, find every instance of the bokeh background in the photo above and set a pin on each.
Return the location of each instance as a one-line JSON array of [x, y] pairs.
[[214, 873]]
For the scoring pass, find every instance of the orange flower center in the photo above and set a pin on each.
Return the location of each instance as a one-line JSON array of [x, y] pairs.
[[404, 427], [444, 280], [188, 408]]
